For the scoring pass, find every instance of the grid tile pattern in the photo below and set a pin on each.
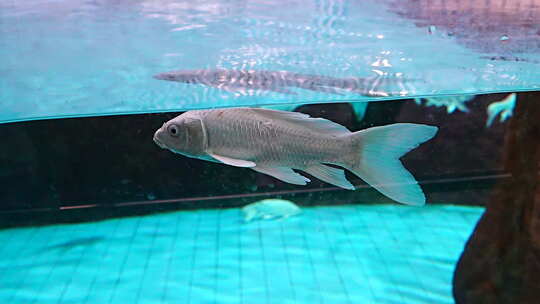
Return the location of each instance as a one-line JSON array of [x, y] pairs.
[[345, 254]]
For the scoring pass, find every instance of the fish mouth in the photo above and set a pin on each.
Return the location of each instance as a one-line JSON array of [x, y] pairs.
[[159, 143], [162, 146]]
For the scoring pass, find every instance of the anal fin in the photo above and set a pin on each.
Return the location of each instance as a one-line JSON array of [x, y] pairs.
[[284, 174], [234, 162], [330, 175]]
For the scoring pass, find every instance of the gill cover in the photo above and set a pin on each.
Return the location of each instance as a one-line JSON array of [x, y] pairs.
[[196, 136]]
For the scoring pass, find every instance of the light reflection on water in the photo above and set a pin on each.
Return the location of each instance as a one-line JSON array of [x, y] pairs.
[[98, 57]]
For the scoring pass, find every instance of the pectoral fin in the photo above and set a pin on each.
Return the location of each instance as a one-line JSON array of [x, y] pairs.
[[234, 162], [284, 174]]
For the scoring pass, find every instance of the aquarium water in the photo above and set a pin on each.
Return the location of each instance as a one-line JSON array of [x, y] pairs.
[[77, 59]]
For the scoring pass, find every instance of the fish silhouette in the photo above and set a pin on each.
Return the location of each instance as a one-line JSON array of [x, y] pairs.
[[380, 85]]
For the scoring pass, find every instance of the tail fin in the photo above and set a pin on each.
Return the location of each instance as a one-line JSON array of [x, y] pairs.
[[377, 162]]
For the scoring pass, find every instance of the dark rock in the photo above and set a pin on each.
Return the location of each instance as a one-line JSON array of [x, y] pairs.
[[501, 260]]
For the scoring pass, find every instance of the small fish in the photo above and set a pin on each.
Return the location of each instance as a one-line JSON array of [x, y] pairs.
[[504, 107], [450, 102], [270, 209], [276, 142], [379, 85]]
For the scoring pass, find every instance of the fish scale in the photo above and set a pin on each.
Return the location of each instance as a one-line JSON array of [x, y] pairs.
[[277, 141]]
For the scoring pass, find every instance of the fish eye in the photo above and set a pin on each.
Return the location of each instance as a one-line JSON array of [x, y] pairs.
[[173, 130]]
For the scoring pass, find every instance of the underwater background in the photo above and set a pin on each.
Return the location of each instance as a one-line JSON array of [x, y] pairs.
[[93, 211]]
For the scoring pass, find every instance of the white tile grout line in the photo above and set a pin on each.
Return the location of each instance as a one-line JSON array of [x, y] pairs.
[[286, 256], [32, 235], [414, 233], [437, 231], [104, 258], [70, 279], [311, 263], [333, 256], [216, 258], [240, 261], [124, 261], [193, 257], [263, 260], [398, 245], [148, 258], [379, 254], [170, 262], [54, 264], [465, 220], [7, 240], [356, 257]]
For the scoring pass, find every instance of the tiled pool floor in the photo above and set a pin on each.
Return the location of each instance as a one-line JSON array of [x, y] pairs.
[[344, 254]]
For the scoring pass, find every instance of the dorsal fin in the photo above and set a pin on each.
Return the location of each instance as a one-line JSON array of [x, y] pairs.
[[317, 124]]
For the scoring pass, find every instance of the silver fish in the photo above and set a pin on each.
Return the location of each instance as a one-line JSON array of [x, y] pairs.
[[276, 142], [380, 85]]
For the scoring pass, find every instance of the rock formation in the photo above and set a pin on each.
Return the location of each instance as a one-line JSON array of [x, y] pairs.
[[501, 260]]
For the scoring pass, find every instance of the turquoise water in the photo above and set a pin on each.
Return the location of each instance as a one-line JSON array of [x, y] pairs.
[[346, 254], [79, 58], [68, 58]]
